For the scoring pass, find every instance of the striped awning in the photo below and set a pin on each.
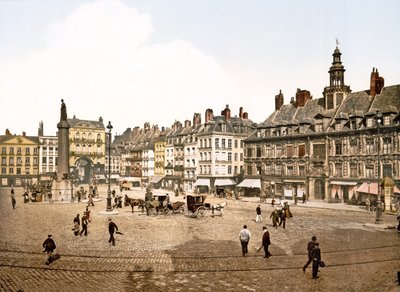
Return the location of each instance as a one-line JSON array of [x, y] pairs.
[[224, 182], [202, 182], [156, 179], [250, 183], [372, 189]]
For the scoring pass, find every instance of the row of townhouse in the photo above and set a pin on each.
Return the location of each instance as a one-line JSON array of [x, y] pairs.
[[334, 148], [206, 156]]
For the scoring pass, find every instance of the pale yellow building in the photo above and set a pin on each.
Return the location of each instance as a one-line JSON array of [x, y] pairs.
[[19, 159]]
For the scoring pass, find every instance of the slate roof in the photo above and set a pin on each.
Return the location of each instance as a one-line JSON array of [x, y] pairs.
[[75, 123]]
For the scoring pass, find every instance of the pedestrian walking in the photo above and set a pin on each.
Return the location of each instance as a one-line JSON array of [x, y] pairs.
[[26, 197], [282, 216], [310, 246], [258, 214], [244, 237], [112, 227], [316, 258], [90, 200], [266, 242], [77, 222], [275, 218], [13, 201], [49, 247], [84, 224], [87, 213], [113, 193], [304, 198]]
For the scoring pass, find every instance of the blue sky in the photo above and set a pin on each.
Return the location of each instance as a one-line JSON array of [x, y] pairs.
[[160, 61]]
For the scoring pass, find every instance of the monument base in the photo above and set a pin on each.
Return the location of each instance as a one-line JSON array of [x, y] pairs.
[[61, 190]]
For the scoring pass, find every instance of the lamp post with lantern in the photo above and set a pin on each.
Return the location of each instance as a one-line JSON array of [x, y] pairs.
[[109, 207], [378, 218]]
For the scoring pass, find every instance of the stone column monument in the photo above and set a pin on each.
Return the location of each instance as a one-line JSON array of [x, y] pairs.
[[61, 188]]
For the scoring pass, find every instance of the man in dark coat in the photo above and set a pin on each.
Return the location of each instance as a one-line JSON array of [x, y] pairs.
[[112, 227], [316, 258], [49, 247], [266, 241], [310, 246], [84, 224]]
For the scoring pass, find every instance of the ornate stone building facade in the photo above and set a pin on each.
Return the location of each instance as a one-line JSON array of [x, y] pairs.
[[19, 159], [328, 147]]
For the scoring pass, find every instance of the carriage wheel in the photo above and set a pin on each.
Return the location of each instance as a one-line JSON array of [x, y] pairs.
[[182, 209], [166, 211], [201, 213]]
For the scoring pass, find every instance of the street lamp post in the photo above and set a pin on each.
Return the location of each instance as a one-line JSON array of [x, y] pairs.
[[109, 207], [378, 218]]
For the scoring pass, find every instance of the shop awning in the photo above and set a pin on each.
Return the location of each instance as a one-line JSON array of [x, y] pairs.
[[224, 182], [130, 178], [300, 181], [343, 183], [115, 176], [100, 176], [250, 183], [156, 179], [202, 182], [372, 189]]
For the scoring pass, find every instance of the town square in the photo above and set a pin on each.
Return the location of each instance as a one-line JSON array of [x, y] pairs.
[[199, 145], [176, 252]]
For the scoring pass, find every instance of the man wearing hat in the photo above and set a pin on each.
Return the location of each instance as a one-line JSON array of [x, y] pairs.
[[49, 247], [266, 241], [111, 229], [316, 258], [258, 214]]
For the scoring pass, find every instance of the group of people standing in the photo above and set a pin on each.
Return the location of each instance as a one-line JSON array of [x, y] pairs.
[[278, 216], [85, 221]]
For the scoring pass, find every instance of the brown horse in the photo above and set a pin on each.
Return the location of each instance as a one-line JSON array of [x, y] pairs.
[[134, 202]]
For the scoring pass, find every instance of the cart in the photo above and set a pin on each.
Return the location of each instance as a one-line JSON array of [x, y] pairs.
[[196, 205]]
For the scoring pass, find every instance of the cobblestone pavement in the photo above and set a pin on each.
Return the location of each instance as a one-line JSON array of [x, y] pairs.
[[177, 253]]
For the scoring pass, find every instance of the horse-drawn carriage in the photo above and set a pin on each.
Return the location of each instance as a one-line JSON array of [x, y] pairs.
[[160, 204], [197, 207]]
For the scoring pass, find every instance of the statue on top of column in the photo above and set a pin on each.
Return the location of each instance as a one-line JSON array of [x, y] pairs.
[[63, 111]]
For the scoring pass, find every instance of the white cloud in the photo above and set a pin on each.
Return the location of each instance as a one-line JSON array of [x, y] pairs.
[[101, 61]]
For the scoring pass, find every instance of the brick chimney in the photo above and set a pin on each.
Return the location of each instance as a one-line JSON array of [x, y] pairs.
[[23, 134], [8, 132], [278, 100], [226, 112], [187, 124], [241, 112], [302, 96], [136, 131], [209, 115], [196, 119], [377, 83], [245, 115]]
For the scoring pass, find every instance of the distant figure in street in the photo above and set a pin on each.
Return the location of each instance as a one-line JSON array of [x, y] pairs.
[[368, 204], [273, 202], [304, 198], [26, 197], [282, 216], [275, 218], [113, 193], [77, 222], [120, 201], [310, 246], [112, 227], [90, 200], [258, 214], [84, 224], [266, 241], [13, 201], [87, 213], [244, 237], [49, 247], [316, 258]]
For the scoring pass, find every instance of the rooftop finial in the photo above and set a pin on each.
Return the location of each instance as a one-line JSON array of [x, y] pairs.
[[337, 42]]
